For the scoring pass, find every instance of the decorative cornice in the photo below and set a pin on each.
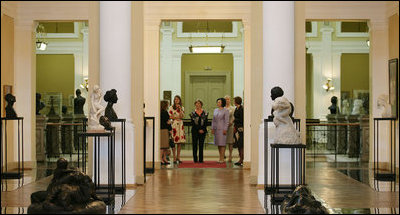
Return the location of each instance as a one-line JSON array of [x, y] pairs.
[[314, 30], [9, 8], [63, 48], [180, 33], [339, 32], [339, 47], [378, 24], [392, 8]]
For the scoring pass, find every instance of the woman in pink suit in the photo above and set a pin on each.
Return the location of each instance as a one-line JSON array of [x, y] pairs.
[[220, 124]]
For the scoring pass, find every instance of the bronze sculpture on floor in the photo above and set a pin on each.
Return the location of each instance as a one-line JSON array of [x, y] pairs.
[[301, 201], [70, 191], [10, 112]]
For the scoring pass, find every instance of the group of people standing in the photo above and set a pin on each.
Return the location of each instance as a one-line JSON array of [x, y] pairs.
[[227, 128]]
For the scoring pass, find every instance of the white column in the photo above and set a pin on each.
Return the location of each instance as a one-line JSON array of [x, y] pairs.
[[238, 75], [115, 73], [278, 70], [25, 85], [278, 50], [166, 68], [379, 84], [85, 65]]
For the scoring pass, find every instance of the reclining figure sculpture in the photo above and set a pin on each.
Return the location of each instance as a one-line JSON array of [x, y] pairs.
[[70, 191]]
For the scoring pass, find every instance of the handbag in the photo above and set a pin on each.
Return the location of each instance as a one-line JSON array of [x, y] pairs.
[[236, 138], [171, 142]]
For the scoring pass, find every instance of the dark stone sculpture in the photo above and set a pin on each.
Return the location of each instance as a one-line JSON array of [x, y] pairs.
[[70, 191], [334, 108], [277, 92], [66, 131], [301, 201], [79, 102], [39, 105], [10, 112], [105, 122], [52, 111], [111, 98]]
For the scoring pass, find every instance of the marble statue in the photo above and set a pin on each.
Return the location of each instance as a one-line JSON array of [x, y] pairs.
[[301, 201], [10, 112], [111, 98], [384, 108], [277, 92], [334, 108], [39, 105], [70, 191], [96, 109], [79, 102], [345, 107], [286, 132], [357, 107]]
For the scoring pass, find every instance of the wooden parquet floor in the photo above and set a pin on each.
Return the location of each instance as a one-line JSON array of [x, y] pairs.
[[196, 191], [341, 191]]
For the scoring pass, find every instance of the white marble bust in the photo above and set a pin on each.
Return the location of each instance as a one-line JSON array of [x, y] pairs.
[[384, 108], [285, 132], [96, 109], [357, 107], [345, 107]]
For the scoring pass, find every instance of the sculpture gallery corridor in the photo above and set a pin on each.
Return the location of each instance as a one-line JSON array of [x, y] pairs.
[[200, 107]]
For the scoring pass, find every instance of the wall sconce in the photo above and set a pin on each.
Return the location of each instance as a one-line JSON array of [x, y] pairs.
[[85, 85], [368, 42], [41, 44], [328, 85]]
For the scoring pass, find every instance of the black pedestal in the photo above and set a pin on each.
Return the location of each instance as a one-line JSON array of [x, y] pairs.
[[6, 172], [297, 167], [105, 191], [145, 169], [121, 188], [268, 189], [388, 176]]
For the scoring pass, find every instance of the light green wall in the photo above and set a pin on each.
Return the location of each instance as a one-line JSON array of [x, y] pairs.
[[55, 73], [354, 72], [197, 62], [309, 85]]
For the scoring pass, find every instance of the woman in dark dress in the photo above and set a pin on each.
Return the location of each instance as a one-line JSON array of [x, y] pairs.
[[238, 129], [199, 118], [165, 126]]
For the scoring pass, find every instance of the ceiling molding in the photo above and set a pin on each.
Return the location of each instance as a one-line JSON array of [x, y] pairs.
[[180, 32], [339, 32]]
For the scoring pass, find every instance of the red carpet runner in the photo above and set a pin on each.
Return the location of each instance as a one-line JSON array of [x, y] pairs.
[[206, 164]]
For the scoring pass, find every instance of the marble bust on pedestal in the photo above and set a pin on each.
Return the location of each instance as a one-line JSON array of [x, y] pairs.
[[10, 112], [286, 132], [111, 98], [96, 109], [334, 109], [384, 108], [277, 92]]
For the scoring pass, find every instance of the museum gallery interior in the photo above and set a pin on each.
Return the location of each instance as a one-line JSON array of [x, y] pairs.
[[200, 107]]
